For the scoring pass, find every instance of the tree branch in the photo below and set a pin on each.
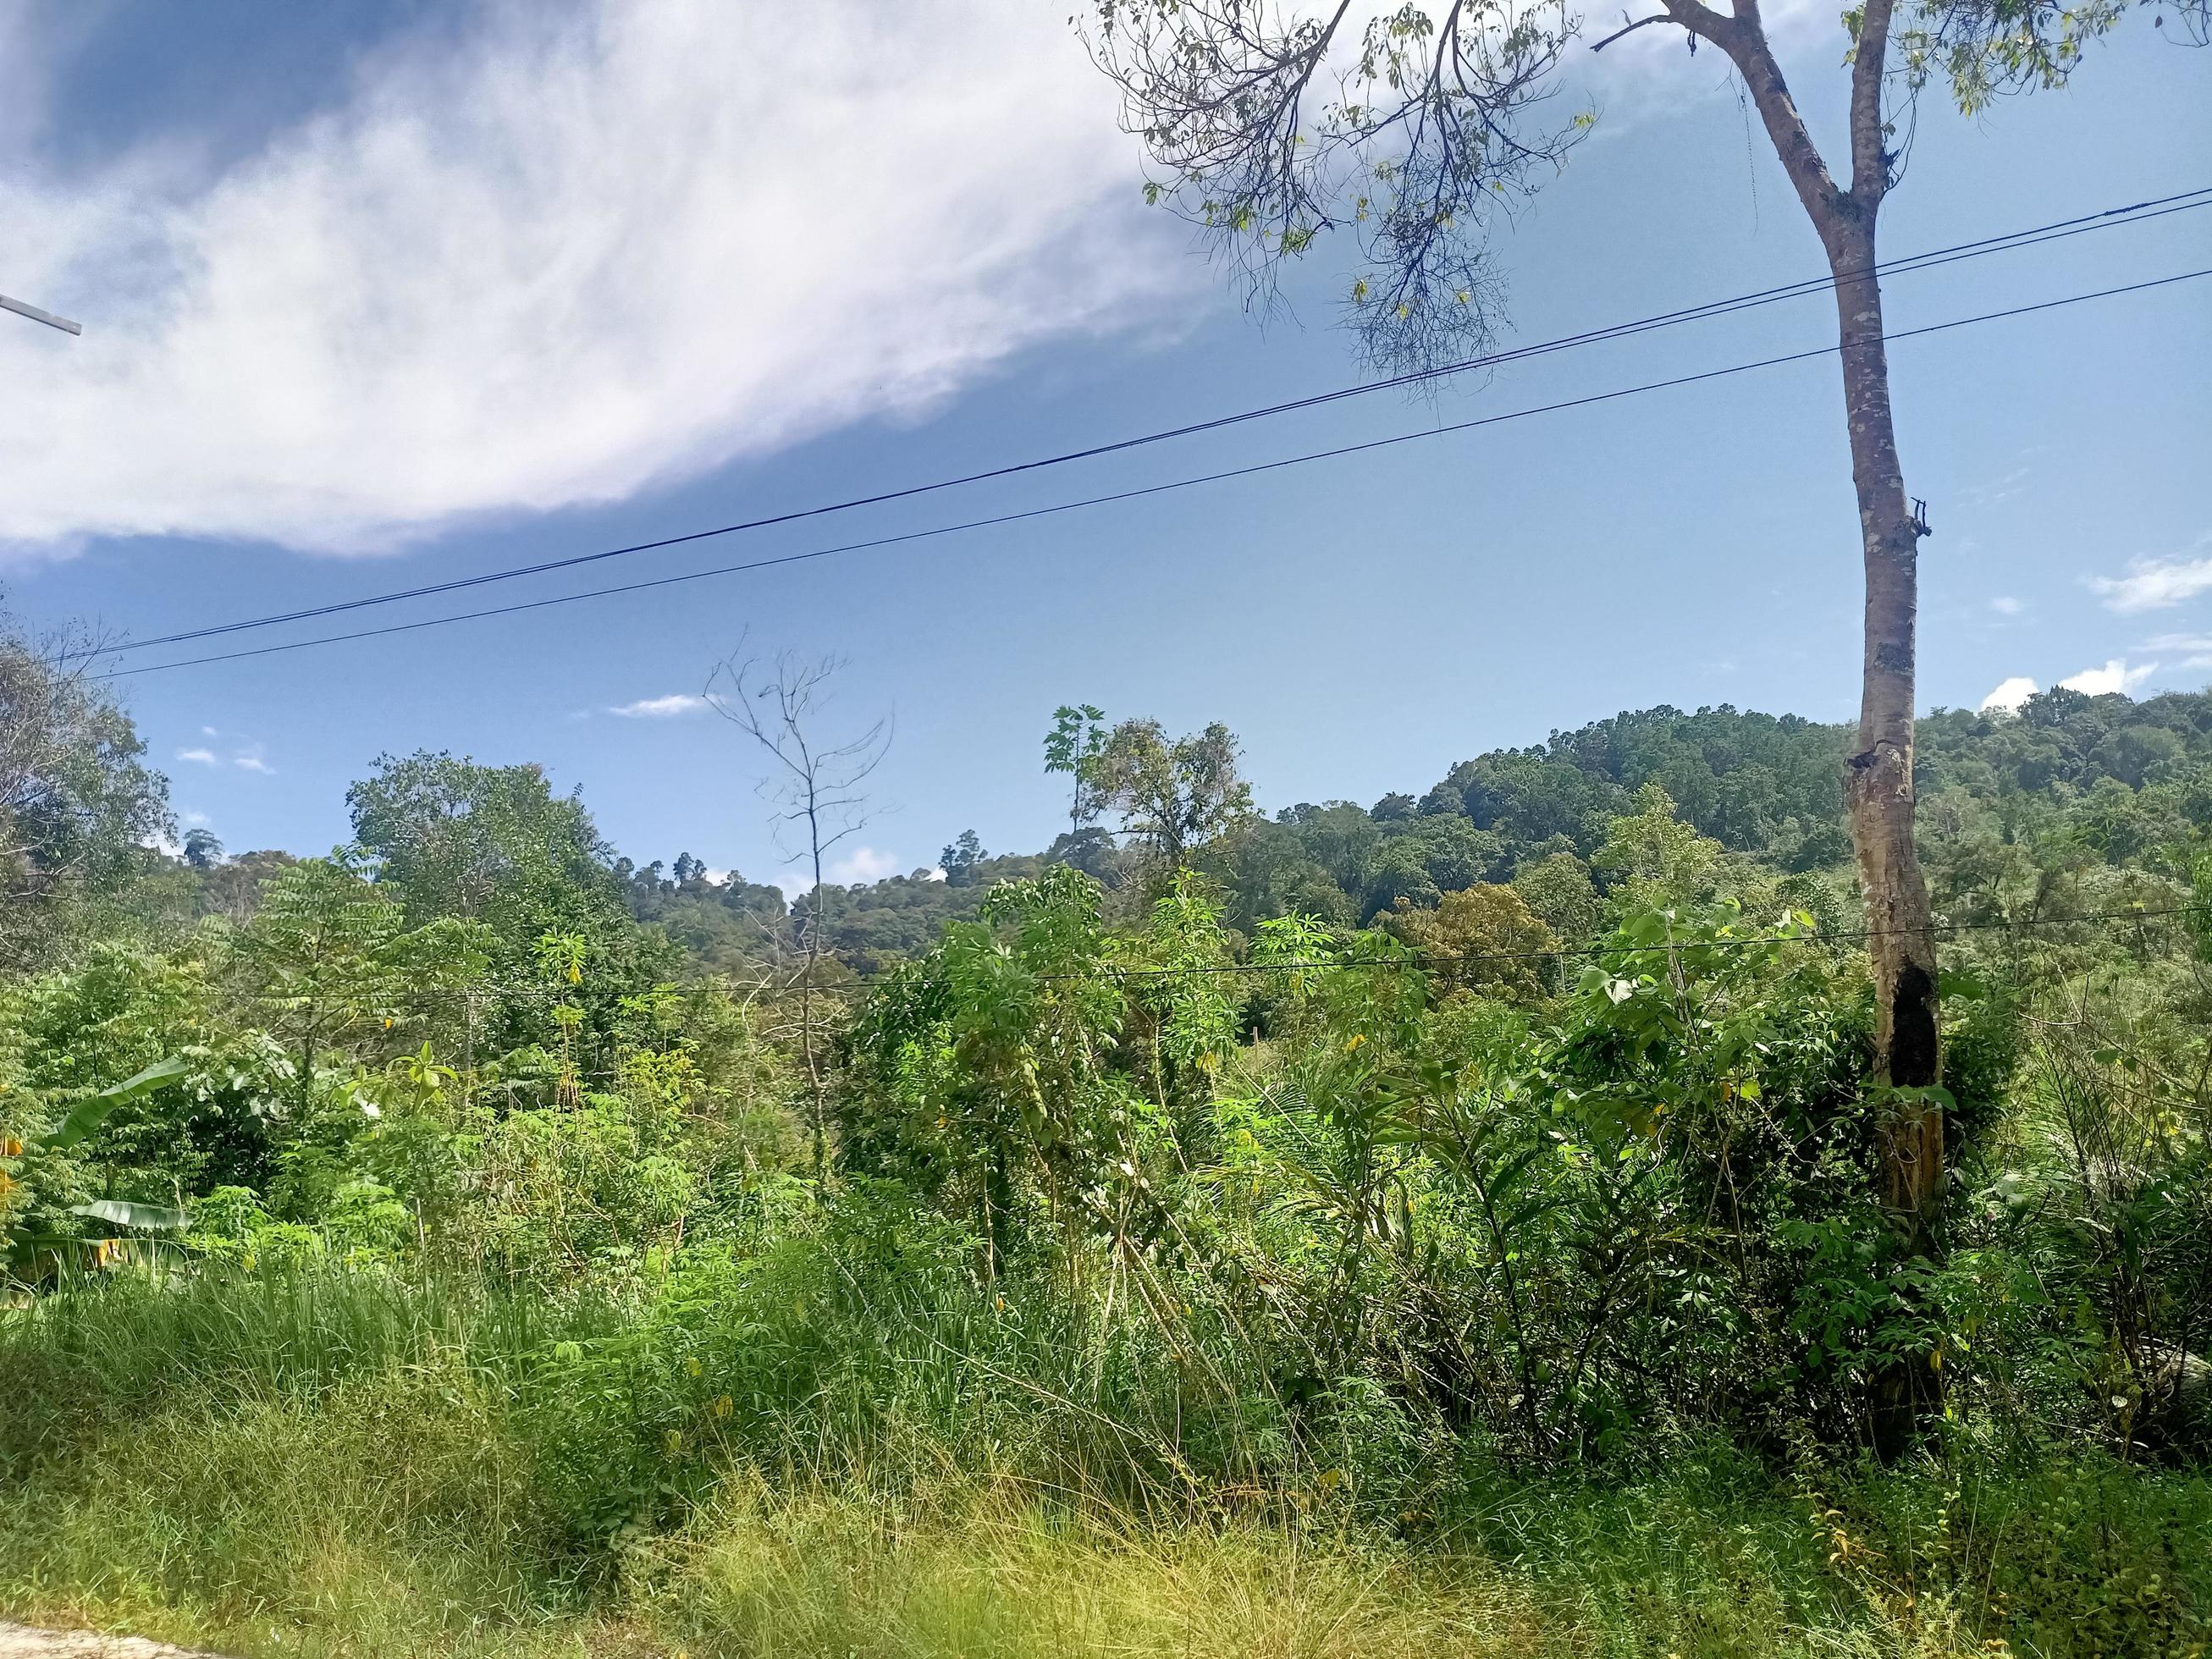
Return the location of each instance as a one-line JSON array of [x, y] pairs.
[[1655, 17], [1869, 156], [1745, 42]]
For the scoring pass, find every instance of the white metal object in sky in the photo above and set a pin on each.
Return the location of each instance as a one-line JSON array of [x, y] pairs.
[[37, 316]]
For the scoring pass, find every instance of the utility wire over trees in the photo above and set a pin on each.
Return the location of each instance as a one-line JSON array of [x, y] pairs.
[[814, 788], [1980, 247], [1273, 124]]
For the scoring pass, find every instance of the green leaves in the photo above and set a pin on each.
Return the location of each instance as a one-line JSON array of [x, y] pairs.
[[87, 1115], [140, 1217]]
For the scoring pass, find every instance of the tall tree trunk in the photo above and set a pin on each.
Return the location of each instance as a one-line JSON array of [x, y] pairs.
[[1878, 775]]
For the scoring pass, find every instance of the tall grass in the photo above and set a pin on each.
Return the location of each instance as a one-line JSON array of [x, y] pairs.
[[352, 1464]]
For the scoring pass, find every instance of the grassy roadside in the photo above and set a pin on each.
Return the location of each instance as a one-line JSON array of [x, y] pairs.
[[344, 1471], [393, 1513]]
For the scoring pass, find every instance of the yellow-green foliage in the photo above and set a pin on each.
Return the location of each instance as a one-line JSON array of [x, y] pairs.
[[397, 1510]]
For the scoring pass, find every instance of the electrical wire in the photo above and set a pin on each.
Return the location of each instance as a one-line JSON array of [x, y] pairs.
[[2109, 218], [1141, 492]]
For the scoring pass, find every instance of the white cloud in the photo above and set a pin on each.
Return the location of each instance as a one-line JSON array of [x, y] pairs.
[[2155, 584], [2009, 695], [194, 819], [582, 251], [2005, 605], [863, 864], [654, 709], [248, 757], [2114, 676]]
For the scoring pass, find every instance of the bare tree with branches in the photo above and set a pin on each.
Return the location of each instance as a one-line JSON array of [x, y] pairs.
[[813, 787], [1270, 123]]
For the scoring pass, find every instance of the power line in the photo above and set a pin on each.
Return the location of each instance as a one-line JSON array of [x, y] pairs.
[[1145, 490], [2138, 213]]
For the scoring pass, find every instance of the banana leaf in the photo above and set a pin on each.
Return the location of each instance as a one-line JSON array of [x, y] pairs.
[[146, 1218], [89, 1114]]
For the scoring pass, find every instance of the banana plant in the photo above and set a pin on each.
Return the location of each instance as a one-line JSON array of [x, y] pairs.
[[81, 1121]]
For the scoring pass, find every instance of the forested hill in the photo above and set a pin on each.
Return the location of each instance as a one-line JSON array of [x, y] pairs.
[[2070, 779], [1767, 786]]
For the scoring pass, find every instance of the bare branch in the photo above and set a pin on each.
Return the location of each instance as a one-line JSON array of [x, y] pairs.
[[1631, 28], [811, 784]]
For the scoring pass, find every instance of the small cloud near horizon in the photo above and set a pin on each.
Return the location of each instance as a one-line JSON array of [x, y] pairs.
[[2009, 695], [2114, 676], [862, 865]]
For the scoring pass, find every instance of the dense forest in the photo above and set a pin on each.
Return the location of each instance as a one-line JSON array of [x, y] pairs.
[[1453, 1224], [2039, 796]]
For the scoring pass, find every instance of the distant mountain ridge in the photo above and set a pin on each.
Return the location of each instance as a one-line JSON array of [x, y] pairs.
[[1767, 786]]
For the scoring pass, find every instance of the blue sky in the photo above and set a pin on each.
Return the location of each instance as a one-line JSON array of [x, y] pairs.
[[389, 293]]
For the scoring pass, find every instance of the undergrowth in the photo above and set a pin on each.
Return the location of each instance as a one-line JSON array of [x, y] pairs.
[[350, 1464]]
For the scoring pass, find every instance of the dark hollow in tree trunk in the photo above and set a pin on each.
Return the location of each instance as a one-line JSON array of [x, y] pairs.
[[1878, 775]]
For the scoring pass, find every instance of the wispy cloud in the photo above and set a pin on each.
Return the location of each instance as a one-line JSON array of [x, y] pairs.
[[2156, 584], [2114, 676], [246, 756], [2195, 650], [2000, 490], [657, 708], [2005, 605], [586, 250], [2009, 695]]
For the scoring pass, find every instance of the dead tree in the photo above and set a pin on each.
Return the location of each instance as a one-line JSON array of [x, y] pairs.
[[813, 787]]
